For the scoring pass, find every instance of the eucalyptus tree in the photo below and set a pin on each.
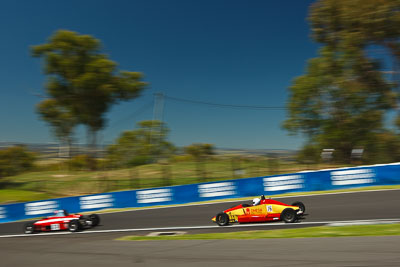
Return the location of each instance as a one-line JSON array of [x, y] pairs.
[[83, 83], [341, 100], [146, 143]]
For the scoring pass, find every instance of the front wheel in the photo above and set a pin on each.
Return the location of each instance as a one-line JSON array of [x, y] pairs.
[[300, 205], [74, 226], [222, 219], [95, 219], [288, 215], [29, 228]]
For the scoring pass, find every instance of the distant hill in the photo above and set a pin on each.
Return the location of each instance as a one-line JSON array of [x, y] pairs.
[[261, 152], [51, 150], [54, 150]]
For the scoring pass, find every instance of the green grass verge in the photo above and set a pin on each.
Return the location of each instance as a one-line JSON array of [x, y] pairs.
[[311, 232], [12, 196]]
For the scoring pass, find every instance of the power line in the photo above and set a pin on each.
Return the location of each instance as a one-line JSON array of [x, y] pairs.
[[224, 105], [134, 114]]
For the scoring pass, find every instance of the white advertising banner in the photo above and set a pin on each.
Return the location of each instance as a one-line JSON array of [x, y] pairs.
[[154, 195], [353, 177], [279, 183], [38, 208], [97, 201], [217, 189]]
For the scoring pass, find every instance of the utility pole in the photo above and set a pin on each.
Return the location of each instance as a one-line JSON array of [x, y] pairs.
[[158, 113], [158, 110]]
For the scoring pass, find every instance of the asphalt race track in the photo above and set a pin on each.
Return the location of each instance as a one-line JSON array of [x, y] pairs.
[[341, 251], [96, 247]]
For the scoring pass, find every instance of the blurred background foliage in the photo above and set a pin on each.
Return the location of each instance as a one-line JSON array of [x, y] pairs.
[[15, 160], [143, 145], [82, 85], [346, 93]]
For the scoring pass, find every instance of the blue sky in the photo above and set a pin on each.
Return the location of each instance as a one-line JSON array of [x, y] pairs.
[[221, 51]]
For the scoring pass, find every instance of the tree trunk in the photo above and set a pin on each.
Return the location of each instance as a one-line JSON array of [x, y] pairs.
[[92, 146]]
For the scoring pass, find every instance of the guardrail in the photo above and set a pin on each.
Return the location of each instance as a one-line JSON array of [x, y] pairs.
[[386, 174]]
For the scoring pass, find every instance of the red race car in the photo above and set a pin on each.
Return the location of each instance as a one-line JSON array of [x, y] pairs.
[[262, 210], [61, 220]]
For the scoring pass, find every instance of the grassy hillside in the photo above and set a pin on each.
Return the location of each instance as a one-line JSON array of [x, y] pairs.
[[58, 181]]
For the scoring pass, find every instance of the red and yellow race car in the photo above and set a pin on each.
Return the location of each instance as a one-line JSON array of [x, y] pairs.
[[61, 220], [262, 210]]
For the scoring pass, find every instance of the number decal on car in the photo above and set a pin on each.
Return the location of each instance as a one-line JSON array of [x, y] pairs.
[[55, 227], [269, 208]]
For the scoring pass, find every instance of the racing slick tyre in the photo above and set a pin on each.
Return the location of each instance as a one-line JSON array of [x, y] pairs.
[[300, 205], [74, 226], [222, 219], [288, 215], [95, 219], [29, 228]]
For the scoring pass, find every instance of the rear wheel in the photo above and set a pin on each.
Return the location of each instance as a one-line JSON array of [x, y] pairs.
[[95, 219], [74, 226], [222, 219], [29, 228], [288, 215], [300, 205]]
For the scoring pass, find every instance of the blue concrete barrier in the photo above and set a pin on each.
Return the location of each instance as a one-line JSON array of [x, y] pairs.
[[387, 174]]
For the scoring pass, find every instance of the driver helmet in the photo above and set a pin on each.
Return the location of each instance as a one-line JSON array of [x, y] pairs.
[[256, 201], [60, 213]]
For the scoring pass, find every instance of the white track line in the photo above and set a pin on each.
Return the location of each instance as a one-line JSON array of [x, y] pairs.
[[397, 220]]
